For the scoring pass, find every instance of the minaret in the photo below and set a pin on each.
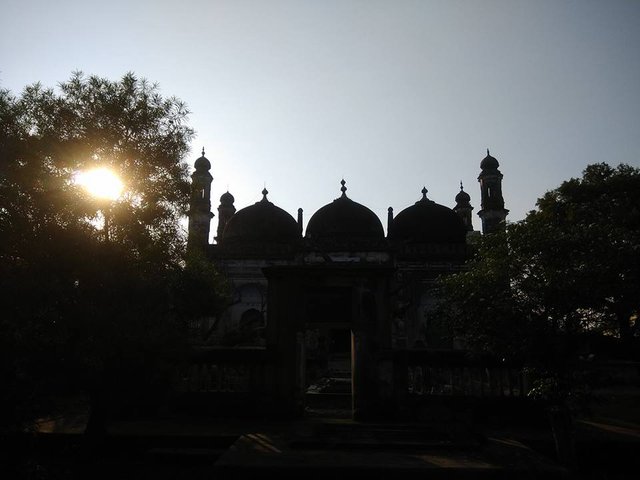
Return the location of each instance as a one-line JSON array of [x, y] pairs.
[[463, 208], [492, 211], [300, 221], [200, 205], [225, 212]]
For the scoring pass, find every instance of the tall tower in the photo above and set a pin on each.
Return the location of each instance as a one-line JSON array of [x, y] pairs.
[[492, 211], [225, 212], [463, 208], [200, 205]]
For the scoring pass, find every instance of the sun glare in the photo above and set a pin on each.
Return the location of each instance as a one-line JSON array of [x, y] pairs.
[[101, 183]]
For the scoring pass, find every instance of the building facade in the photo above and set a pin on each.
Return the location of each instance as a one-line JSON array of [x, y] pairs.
[[340, 295]]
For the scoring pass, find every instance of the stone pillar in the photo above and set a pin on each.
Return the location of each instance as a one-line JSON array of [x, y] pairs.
[[285, 339], [363, 354], [362, 377]]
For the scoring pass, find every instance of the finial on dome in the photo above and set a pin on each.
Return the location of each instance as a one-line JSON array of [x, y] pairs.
[[489, 162], [264, 194], [462, 198], [424, 193], [343, 189], [202, 164]]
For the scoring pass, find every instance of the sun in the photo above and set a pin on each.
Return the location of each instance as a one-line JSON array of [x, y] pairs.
[[101, 183]]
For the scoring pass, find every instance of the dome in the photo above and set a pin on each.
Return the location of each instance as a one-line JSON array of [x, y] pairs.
[[261, 222], [462, 198], [227, 199], [489, 162], [428, 222], [344, 219], [202, 163]]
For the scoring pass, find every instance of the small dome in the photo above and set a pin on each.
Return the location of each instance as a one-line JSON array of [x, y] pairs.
[[227, 199], [344, 219], [262, 223], [202, 164], [428, 222], [489, 162], [462, 198]]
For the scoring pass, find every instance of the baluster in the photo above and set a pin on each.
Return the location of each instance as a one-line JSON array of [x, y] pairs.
[[193, 378], [215, 378], [419, 381], [205, 378], [510, 373]]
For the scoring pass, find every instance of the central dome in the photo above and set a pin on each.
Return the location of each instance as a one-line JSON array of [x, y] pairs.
[[344, 219], [428, 222], [261, 222]]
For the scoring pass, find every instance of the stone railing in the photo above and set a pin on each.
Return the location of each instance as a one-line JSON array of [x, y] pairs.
[[432, 372], [225, 370]]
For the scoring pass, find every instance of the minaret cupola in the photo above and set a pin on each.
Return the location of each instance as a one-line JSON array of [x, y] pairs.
[[492, 211], [226, 209], [463, 208], [200, 205]]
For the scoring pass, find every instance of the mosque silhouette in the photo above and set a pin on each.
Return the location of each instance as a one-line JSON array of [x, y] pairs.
[[331, 308]]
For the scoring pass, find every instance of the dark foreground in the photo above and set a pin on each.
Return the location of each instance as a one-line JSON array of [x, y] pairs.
[[319, 447]]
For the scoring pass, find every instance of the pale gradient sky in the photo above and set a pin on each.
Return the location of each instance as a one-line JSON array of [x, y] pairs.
[[392, 95]]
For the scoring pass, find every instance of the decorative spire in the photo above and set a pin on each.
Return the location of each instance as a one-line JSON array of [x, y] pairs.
[[343, 189], [424, 193], [264, 194], [488, 152], [461, 189], [300, 221], [203, 151]]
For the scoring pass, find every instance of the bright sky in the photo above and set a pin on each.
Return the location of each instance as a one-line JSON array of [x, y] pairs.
[[391, 95]]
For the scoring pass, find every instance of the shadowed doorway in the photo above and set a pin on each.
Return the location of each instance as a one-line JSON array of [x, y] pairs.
[[328, 389]]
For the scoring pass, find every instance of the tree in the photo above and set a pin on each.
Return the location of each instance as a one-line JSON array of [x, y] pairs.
[[569, 267], [80, 312], [484, 308], [533, 291], [598, 218], [48, 137]]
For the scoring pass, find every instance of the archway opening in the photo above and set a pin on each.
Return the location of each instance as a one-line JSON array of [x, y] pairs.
[[328, 373]]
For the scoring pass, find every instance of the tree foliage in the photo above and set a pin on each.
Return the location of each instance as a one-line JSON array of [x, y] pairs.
[[596, 220], [81, 312], [569, 268], [49, 136], [568, 271]]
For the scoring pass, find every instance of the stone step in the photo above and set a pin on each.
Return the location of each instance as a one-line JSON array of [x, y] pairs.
[[312, 456], [328, 400]]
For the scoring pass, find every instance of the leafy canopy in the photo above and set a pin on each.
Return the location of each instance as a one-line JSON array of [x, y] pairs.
[[48, 136], [570, 267], [81, 312]]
